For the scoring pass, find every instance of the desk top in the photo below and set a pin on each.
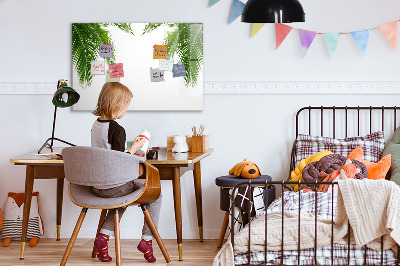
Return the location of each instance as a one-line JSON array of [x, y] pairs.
[[164, 157]]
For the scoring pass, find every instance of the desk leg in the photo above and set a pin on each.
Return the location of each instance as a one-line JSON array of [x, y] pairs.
[[60, 190], [27, 206], [176, 182], [197, 189]]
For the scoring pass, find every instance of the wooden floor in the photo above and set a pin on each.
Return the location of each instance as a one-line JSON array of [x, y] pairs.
[[50, 252]]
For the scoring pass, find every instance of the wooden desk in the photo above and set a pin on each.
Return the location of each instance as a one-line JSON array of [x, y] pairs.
[[171, 167]]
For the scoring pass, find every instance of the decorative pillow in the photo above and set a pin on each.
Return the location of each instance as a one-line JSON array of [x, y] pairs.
[[296, 174], [375, 170], [327, 165], [393, 148], [372, 144]]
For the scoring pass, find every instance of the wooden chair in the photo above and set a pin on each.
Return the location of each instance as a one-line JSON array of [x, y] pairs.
[[85, 167]]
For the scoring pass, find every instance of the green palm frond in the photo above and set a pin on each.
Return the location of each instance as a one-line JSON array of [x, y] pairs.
[[185, 40], [86, 40], [149, 27]]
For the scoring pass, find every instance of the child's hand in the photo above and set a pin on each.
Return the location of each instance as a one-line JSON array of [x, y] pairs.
[[143, 155], [137, 144]]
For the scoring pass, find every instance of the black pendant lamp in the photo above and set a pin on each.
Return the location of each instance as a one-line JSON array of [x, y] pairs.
[[273, 11]]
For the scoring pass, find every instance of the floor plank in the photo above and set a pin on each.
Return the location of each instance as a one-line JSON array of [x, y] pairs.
[[50, 252]]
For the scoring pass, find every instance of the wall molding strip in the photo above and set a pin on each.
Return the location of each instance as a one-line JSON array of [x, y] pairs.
[[246, 87]]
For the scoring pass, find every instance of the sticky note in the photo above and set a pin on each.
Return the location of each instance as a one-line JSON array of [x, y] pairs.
[[110, 79], [160, 51], [156, 75], [106, 50], [166, 64], [117, 70], [179, 70], [97, 68]]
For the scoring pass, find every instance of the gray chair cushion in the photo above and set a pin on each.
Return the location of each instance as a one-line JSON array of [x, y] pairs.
[[83, 195], [99, 167]]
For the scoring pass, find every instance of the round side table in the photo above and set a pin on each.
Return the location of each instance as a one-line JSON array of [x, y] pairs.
[[228, 182]]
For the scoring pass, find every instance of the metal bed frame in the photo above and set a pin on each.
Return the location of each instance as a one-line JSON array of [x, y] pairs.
[[284, 183]]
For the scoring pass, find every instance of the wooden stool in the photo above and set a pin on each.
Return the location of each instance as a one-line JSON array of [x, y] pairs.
[[226, 183]]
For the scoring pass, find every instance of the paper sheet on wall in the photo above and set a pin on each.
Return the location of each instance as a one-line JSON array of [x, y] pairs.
[[106, 50], [110, 79], [97, 68], [179, 70], [156, 75], [117, 70], [166, 64], [160, 51]]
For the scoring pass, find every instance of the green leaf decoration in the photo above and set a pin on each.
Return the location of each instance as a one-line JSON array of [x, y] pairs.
[[86, 40]]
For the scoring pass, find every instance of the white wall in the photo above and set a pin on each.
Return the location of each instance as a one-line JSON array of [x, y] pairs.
[[35, 43]]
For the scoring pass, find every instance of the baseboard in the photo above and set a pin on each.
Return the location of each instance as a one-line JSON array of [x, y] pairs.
[[246, 87]]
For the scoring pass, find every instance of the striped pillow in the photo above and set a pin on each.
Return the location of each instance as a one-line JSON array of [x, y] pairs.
[[372, 145]]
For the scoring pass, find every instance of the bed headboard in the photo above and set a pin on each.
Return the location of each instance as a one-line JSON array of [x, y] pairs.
[[344, 121]]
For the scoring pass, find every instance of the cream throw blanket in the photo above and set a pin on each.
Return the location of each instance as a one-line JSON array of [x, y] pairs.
[[371, 206]]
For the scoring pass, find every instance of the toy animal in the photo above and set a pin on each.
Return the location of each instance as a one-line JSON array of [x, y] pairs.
[[180, 144], [13, 215], [245, 169]]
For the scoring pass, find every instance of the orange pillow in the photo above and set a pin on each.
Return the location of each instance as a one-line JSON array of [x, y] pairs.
[[375, 170]]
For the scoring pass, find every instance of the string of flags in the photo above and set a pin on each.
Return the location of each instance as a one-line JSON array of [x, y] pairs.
[[361, 37]]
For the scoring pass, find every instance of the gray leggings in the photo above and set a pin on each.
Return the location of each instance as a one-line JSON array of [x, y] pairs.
[[154, 208]]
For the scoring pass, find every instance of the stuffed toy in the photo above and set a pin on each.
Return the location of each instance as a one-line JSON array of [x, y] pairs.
[[13, 215], [180, 144], [245, 169], [296, 174], [375, 170]]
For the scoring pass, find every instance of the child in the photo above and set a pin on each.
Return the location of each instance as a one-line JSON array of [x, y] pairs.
[[112, 104]]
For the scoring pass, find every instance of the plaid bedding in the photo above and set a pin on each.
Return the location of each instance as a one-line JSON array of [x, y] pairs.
[[372, 145], [322, 207]]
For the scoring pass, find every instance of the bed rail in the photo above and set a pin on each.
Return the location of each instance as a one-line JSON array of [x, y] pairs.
[[265, 185]]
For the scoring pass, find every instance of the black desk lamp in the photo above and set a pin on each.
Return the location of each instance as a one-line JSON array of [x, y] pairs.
[[273, 11], [63, 97]]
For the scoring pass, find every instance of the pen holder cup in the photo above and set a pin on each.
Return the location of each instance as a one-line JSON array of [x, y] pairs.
[[200, 143]]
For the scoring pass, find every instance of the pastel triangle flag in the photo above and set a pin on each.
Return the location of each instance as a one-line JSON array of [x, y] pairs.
[[281, 31], [332, 41], [361, 37], [306, 39], [213, 2], [255, 28], [237, 9], [389, 30]]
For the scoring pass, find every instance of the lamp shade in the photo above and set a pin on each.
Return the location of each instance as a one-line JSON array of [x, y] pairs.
[[65, 96], [273, 11]]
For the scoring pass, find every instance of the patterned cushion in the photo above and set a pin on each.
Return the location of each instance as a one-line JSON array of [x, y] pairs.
[[372, 144]]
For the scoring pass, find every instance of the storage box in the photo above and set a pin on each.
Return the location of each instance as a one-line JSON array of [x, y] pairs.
[[200, 143], [171, 143]]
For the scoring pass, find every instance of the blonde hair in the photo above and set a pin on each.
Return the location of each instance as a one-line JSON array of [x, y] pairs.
[[113, 98]]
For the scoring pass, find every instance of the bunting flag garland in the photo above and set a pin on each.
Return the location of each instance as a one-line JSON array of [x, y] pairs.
[[332, 41], [237, 9], [306, 39], [389, 30], [281, 31], [255, 28], [361, 37], [213, 2]]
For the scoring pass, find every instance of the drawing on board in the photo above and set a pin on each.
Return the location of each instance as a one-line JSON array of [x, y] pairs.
[[125, 52]]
